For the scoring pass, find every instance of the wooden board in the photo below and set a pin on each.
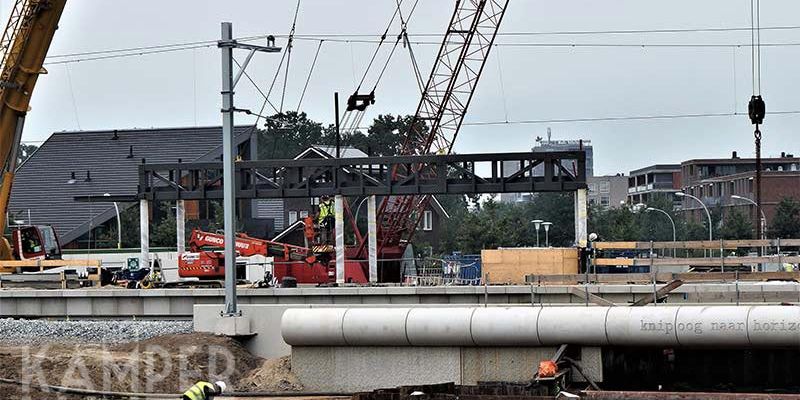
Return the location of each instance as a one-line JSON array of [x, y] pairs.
[[700, 244], [11, 266], [685, 277], [696, 261], [511, 265]]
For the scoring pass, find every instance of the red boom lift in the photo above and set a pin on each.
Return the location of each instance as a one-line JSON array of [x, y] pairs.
[[206, 261]]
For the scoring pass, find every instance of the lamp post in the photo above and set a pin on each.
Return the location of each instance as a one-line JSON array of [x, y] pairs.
[[763, 217], [536, 224], [674, 233], [547, 233], [119, 222], [708, 214]]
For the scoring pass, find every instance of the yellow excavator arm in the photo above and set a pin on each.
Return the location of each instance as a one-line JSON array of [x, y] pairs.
[[24, 46]]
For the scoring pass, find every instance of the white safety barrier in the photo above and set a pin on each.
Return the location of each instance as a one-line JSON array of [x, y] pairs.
[[734, 326]]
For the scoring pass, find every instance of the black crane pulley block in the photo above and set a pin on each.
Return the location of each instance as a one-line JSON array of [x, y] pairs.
[[360, 101], [756, 109]]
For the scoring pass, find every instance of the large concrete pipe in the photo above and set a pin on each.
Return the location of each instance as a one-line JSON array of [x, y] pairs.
[[585, 325], [375, 326], [314, 326], [440, 326], [734, 326], [511, 326]]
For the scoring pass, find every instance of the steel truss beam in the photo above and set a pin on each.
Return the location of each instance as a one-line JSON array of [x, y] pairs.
[[443, 174]]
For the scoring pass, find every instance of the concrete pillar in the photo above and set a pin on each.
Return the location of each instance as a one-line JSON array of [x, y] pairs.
[[372, 238], [581, 217], [180, 221], [144, 234], [338, 206]]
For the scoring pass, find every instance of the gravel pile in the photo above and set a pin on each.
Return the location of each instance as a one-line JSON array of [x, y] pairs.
[[16, 331]]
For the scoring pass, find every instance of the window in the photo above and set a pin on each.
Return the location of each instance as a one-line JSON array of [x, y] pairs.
[[592, 187], [303, 213], [605, 187], [292, 217], [315, 201], [427, 220], [604, 201]]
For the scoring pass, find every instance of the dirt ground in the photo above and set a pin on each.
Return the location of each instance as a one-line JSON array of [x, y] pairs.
[[166, 364]]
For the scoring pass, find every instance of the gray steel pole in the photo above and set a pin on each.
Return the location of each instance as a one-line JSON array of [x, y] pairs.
[[119, 226], [228, 176], [674, 231]]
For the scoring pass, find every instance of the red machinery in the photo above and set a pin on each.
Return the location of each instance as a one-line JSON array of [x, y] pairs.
[[306, 265]]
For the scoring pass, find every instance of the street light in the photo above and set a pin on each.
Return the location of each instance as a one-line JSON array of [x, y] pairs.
[[119, 222], [536, 224], [547, 233], [708, 214], [763, 217], [674, 234]]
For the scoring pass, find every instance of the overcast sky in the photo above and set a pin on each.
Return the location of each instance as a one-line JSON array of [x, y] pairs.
[[538, 83]]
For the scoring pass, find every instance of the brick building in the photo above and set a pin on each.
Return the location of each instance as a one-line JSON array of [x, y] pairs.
[[714, 181]]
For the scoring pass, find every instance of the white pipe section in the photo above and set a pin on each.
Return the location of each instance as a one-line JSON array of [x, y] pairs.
[[511, 326], [574, 325], [439, 326], [695, 326]]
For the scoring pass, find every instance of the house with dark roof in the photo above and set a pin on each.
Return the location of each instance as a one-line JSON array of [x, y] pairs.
[[93, 163]]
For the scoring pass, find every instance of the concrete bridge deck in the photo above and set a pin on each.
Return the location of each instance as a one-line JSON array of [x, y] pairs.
[[178, 303]]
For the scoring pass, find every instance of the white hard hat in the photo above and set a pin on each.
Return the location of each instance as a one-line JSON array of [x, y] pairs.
[[221, 385]]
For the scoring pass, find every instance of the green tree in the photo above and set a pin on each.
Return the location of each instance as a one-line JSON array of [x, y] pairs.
[[385, 136], [25, 151], [286, 135], [164, 231], [736, 225], [786, 222]]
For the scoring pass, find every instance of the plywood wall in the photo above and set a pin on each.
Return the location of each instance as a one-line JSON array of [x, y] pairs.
[[511, 265]]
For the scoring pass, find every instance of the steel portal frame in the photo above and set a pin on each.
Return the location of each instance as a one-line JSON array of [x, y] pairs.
[[562, 171]]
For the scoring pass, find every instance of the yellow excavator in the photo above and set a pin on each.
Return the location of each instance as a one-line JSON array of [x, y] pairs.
[[23, 47]]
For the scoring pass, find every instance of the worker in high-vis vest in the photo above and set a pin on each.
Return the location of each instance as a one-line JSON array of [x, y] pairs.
[[204, 390], [326, 217]]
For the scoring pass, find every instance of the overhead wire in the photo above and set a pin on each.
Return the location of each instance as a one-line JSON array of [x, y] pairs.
[[72, 96], [400, 36], [502, 85], [308, 78], [255, 85], [620, 118], [578, 33], [269, 92], [430, 43], [182, 46], [378, 48], [574, 45], [289, 53]]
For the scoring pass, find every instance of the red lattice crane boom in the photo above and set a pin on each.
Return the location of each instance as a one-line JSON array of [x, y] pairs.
[[441, 110]]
